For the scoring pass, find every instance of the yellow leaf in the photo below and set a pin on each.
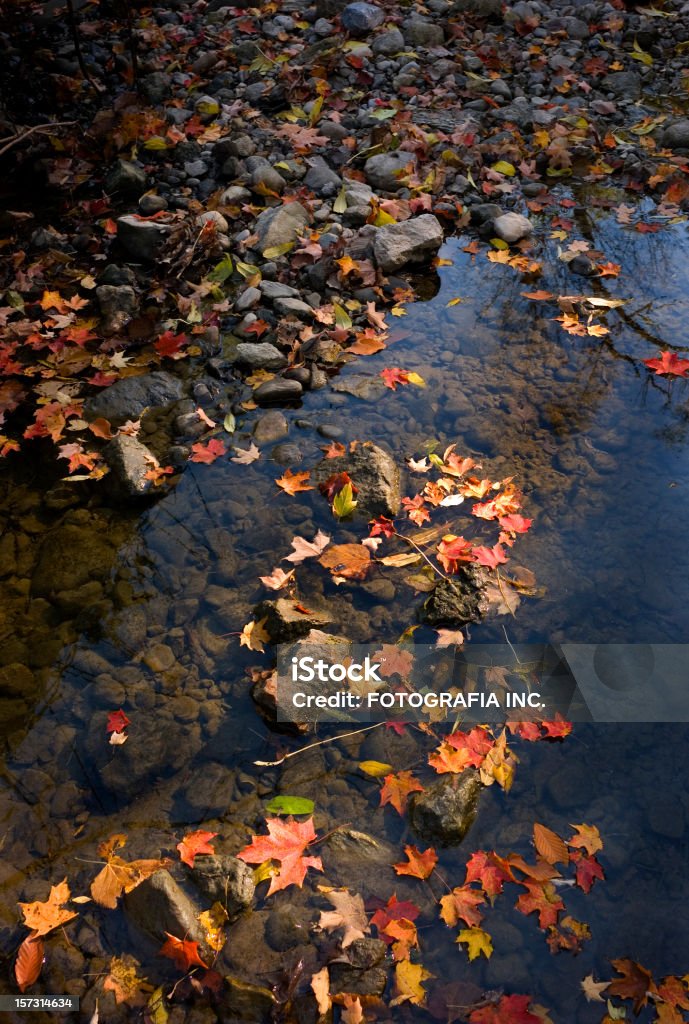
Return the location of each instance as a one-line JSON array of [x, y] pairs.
[[455, 302], [499, 243], [212, 922], [477, 942], [274, 251], [375, 768], [43, 917], [382, 218], [254, 636], [504, 167], [414, 378], [408, 979], [398, 311]]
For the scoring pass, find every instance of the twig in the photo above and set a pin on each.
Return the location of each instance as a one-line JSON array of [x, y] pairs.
[[418, 549], [319, 743], [14, 140]]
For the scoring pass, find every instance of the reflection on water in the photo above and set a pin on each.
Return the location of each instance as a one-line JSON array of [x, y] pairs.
[[101, 611]]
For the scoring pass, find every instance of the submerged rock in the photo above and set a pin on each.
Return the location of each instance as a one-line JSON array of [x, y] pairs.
[[245, 1002], [458, 600], [284, 621], [129, 461], [374, 472], [158, 905], [224, 879], [126, 399], [413, 240], [445, 811]]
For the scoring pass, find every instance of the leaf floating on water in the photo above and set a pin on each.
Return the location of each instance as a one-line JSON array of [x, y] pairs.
[[290, 805], [286, 842], [375, 768], [254, 636], [477, 942], [549, 845], [349, 914], [29, 962], [195, 843], [42, 917], [348, 561]]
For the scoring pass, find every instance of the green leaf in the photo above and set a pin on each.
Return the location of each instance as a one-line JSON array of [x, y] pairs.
[[383, 113], [504, 167], [290, 805], [344, 503], [230, 423], [260, 63], [273, 252], [499, 243], [208, 108], [639, 54], [342, 317], [221, 271], [247, 269]]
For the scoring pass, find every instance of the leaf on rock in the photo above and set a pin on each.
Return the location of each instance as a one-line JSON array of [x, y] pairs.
[[396, 790], [418, 865], [348, 914], [254, 636], [27, 966], [183, 952], [193, 844], [408, 983], [119, 876], [343, 502], [477, 942], [285, 843], [42, 917], [550, 846], [213, 922]]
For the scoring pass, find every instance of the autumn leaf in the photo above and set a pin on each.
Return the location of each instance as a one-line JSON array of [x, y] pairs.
[[392, 376], [453, 550], [592, 989], [556, 728], [348, 561], [254, 636], [307, 548], [418, 865], [512, 1009], [636, 983], [394, 910], [277, 579], [29, 961], [348, 914], [285, 843], [245, 456], [320, 986], [193, 844], [119, 876], [490, 870], [460, 905], [117, 721], [586, 837], [291, 482], [549, 845], [123, 981], [587, 871], [394, 660], [343, 502], [396, 790], [408, 983], [477, 942], [368, 343], [668, 363], [171, 345], [403, 937], [183, 952], [352, 1010], [213, 921], [540, 898], [42, 917], [207, 453]]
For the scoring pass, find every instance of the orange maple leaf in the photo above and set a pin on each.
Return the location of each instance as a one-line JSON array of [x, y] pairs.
[[183, 952], [540, 898], [418, 865], [291, 482], [285, 843], [42, 917], [195, 843], [396, 790], [462, 905]]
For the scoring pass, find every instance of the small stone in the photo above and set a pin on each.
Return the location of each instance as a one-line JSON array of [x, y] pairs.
[[410, 241], [150, 204], [213, 217], [321, 175], [388, 171], [235, 195], [624, 84], [280, 224], [584, 266], [456, 601], [512, 227], [249, 298], [260, 355], [195, 168], [267, 178], [388, 42], [156, 87], [141, 239], [421, 32], [158, 906], [293, 307], [126, 177], [286, 454], [270, 427], [127, 398], [360, 18], [159, 658], [118, 304], [274, 290], [278, 390]]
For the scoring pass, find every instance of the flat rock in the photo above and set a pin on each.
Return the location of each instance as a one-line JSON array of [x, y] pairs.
[[396, 245], [129, 461], [141, 239], [260, 355], [279, 225], [512, 227], [126, 399], [278, 390], [284, 622]]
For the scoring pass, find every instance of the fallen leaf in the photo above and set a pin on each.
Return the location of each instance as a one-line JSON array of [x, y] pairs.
[[348, 914], [213, 923], [592, 989], [42, 917], [307, 548], [549, 845], [245, 456], [277, 579], [29, 961], [207, 453], [193, 844], [292, 483], [350, 561], [183, 952], [418, 865], [668, 363], [396, 790], [117, 721], [375, 768], [123, 981], [477, 942], [119, 876], [254, 636], [285, 843], [586, 837], [408, 983], [512, 1009], [540, 898], [636, 983], [352, 1011], [320, 986]]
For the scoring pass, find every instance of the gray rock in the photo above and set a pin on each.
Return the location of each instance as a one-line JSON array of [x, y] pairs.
[[224, 879], [150, 204], [373, 471], [512, 227], [625, 84], [234, 195], [278, 390], [129, 461], [260, 355], [456, 601], [141, 239], [156, 87], [421, 32], [287, 927], [126, 177], [274, 290], [320, 175], [388, 42], [480, 8], [518, 112], [279, 225], [213, 217], [387, 171], [270, 427], [360, 18], [118, 304], [410, 241], [195, 168], [676, 136], [249, 298], [126, 399], [267, 178], [482, 212], [293, 307], [158, 905], [445, 811], [284, 622], [582, 264], [287, 454]]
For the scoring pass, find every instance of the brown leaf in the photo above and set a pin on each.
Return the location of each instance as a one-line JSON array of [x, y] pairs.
[[636, 983], [41, 918], [119, 876], [548, 843], [320, 986], [349, 914], [351, 561], [27, 966]]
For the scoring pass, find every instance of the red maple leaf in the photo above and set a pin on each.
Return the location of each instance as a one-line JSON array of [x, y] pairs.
[[490, 557], [557, 728], [515, 523], [668, 363], [207, 452], [103, 380], [257, 327], [382, 527], [490, 870], [394, 910], [183, 952], [509, 1010], [285, 843], [334, 484], [540, 898], [170, 345], [416, 510], [587, 871], [418, 865], [530, 731], [453, 550], [396, 790], [117, 721], [393, 375], [193, 844]]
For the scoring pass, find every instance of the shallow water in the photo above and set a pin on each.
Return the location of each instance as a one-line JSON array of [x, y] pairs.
[[600, 448]]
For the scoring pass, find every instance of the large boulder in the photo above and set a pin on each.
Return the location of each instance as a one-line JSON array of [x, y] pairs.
[[373, 471], [412, 241], [126, 399], [279, 225], [445, 811]]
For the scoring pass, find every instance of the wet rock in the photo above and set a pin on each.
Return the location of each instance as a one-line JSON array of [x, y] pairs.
[[126, 177], [126, 399], [360, 18], [423, 32], [270, 427], [129, 461], [224, 879], [365, 973], [159, 658], [582, 265], [676, 136], [279, 225], [117, 306], [278, 390], [445, 811], [456, 601], [624, 84], [245, 1002], [287, 926], [286, 454], [70, 556], [320, 175], [360, 861], [284, 622], [141, 239], [411, 241], [666, 818], [260, 355], [388, 42], [512, 227], [387, 171], [158, 905], [373, 471]]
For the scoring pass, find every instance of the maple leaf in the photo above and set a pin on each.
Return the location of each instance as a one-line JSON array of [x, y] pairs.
[[119, 876], [476, 743], [540, 898], [588, 869], [592, 989], [382, 526], [461, 905], [254, 636], [334, 450], [124, 983], [394, 660], [672, 990], [490, 557], [668, 363], [245, 456], [396, 790], [530, 731], [549, 845], [29, 961], [291, 482], [587, 837], [347, 561], [183, 952], [348, 914], [352, 1012], [170, 345], [418, 865], [42, 917], [515, 523], [490, 870], [117, 721], [449, 638], [52, 300], [212, 922], [367, 343], [557, 728], [636, 983], [307, 548], [475, 488], [403, 937], [408, 983], [193, 844], [277, 579], [207, 453], [453, 550], [334, 484], [285, 843], [394, 910], [508, 1010], [415, 510], [477, 941]]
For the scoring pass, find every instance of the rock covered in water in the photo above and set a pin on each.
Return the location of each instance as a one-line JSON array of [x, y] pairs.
[[129, 461], [411, 241], [458, 600], [445, 811], [158, 905], [127, 398], [224, 879]]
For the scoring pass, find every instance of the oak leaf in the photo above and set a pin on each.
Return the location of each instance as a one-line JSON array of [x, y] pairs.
[[307, 548], [42, 917], [418, 865], [285, 843], [348, 914], [183, 952], [636, 983], [396, 790], [193, 844]]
